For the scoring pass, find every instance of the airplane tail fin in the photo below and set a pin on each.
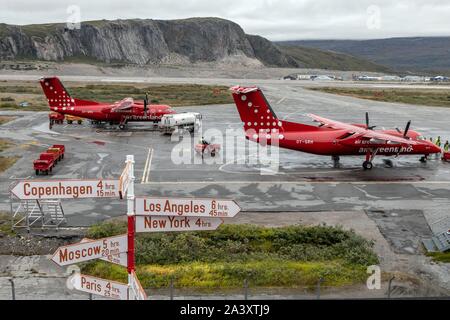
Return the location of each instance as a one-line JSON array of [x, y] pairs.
[[58, 97], [257, 114]]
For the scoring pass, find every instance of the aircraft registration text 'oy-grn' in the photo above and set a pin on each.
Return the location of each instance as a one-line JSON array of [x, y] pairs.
[[208, 208]]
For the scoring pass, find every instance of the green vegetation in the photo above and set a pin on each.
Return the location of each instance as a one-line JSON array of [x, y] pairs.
[[267, 257], [4, 120], [440, 256], [6, 162], [321, 59], [173, 95], [427, 97], [6, 224]]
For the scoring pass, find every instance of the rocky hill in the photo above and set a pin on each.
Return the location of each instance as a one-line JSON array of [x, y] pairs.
[[141, 42]]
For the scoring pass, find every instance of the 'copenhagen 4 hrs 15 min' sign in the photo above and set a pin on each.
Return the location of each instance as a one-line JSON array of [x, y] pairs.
[[65, 189]]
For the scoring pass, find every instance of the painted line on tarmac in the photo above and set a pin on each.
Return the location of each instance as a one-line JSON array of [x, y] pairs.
[[148, 164], [298, 182]]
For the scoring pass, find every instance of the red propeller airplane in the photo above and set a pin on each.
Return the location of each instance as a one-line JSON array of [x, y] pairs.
[[330, 138], [117, 113]]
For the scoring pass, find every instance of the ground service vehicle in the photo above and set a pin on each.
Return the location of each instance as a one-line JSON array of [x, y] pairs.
[[58, 151], [71, 119], [205, 148], [44, 164], [190, 121]]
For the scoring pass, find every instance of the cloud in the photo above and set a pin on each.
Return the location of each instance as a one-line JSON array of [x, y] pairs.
[[274, 19]]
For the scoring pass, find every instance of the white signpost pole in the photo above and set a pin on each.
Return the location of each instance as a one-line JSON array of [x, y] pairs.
[[131, 220]]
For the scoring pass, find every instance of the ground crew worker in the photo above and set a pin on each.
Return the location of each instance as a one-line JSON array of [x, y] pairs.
[[446, 146], [438, 141]]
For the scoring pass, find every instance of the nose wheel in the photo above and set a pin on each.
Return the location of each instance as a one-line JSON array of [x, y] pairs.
[[367, 165]]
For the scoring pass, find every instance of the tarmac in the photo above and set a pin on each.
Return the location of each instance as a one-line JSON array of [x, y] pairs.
[[405, 203]]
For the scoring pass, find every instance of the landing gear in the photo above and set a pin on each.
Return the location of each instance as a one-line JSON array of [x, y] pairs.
[[367, 165], [370, 155], [335, 161], [424, 159]]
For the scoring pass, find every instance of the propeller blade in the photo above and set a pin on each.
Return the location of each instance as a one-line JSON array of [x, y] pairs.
[[367, 119], [408, 125], [398, 130]]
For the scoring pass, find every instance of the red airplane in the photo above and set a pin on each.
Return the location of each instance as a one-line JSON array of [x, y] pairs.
[[330, 138], [117, 113]]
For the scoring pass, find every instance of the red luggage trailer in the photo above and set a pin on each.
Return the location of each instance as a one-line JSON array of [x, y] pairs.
[[446, 156], [44, 164]]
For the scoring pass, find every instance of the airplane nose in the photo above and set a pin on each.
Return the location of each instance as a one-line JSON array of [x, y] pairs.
[[435, 148]]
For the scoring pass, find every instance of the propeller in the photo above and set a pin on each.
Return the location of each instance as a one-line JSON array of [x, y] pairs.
[[368, 122], [408, 125], [145, 103]]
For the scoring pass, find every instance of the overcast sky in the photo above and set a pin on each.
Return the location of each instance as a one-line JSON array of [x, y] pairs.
[[274, 19]]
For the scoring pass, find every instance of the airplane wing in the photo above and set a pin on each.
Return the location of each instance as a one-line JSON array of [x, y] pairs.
[[124, 104], [363, 133]]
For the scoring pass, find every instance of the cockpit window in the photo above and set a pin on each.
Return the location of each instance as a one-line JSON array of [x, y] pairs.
[[421, 138]]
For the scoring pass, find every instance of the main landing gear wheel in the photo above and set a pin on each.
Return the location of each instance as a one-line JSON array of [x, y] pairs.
[[423, 159], [121, 126], [367, 165]]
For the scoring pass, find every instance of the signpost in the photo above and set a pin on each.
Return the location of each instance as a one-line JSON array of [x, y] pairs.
[[174, 224], [186, 207], [144, 214], [136, 291], [89, 250], [66, 189], [101, 287]]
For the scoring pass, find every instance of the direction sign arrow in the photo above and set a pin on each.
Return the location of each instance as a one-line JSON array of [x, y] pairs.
[[136, 290], [65, 189], [88, 250], [101, 287], [170, 224], [187, 207]]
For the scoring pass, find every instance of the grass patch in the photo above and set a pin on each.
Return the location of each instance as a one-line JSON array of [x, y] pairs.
[[173, 95], [267, 257], [6, 224], [4, 120], [427, 97], [6, 162], [440, 256]]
